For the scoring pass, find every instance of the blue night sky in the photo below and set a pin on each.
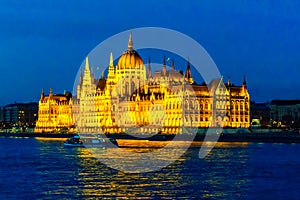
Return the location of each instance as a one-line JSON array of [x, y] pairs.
[[43, 43]]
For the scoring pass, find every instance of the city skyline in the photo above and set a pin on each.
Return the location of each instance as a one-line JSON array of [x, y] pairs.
[[44, 44]]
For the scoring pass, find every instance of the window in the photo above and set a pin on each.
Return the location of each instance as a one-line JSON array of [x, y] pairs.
[[206, 106]]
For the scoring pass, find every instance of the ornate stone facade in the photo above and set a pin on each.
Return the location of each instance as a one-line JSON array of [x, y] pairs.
[[130, 97], [55, 113]]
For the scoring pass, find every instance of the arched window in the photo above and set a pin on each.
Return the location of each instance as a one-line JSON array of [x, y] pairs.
[[126, 88], [132, 87]]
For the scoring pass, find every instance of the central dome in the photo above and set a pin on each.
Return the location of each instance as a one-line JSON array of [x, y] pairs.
[[130, 59]]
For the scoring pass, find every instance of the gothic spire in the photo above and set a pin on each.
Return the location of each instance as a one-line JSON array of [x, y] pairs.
[[111, 68], [173, 66], [164, 68], [80, 76], [244, 87], [92, 73], [149, 69], [188, 73], [111, 60], [130, 43], [50, 94], [87, 62], [43, 94], [87, 76], [102, 75]]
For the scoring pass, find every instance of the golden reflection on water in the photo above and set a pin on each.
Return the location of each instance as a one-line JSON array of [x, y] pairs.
[[50, 139], [210, 175], [231, 144], [97, 180]]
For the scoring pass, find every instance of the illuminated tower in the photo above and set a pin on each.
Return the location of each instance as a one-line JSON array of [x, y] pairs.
[[149, 70], [130, 63], [164, 68], [188, 73]]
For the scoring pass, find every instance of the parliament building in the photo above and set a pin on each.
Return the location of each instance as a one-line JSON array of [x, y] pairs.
[[131, 97], [55, 113]]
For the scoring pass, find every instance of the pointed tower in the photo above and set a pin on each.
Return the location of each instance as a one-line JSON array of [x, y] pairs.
[[102, 75], [244, 86], [87, 72], [172, 73], [87, 86], [130, 43], [87, 66], [164, 68], [92, 74], [228, 82], [80, 77], [42, 94], [111, 60], [188, 73], [173, 65], [149, 70], [111, 68], [50, 94]]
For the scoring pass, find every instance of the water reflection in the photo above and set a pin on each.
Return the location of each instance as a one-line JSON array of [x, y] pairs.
[[218, 175], [226, 171], [101, 181], [33, 169]]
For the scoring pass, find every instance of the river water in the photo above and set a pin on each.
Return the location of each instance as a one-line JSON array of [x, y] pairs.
[[44, 169]]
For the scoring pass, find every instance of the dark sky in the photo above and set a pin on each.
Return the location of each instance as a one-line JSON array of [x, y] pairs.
[[43, 43]]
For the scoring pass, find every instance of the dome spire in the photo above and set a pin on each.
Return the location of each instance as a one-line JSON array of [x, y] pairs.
[[130, 43]]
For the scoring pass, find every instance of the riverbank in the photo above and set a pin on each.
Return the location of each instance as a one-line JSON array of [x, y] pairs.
[[270, 137], [42, 135]]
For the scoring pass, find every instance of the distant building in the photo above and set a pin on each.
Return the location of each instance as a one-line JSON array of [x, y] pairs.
[[19, 114], [260, 114], [285, 113], [55, 113]]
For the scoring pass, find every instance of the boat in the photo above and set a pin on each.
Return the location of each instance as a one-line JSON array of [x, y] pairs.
[[145, 140], [74, 141]]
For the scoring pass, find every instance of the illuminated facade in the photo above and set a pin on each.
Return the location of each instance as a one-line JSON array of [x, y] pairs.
[[55, 113], [131, 96]]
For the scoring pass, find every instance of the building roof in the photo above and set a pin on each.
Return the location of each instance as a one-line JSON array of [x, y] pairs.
[[101, 84], [285, 102], [130, 59]]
